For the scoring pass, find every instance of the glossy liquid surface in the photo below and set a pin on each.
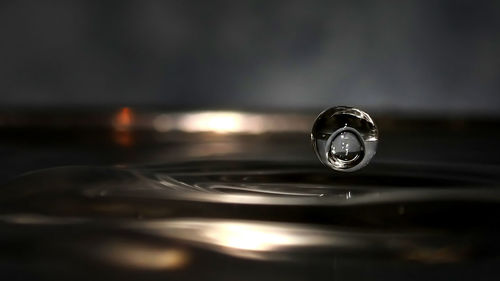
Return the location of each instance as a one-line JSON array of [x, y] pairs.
[[256, 211], [247, 207]]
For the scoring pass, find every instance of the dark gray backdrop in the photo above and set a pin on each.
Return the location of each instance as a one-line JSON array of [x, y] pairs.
[[423, 56]]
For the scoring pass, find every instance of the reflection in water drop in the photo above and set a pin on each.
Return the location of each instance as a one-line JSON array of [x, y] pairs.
[[346, 147]]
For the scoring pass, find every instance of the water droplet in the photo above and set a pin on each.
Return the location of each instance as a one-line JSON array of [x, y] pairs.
[[344, 138]]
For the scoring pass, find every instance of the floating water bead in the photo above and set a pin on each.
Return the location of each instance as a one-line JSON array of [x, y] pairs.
[[344, 138]]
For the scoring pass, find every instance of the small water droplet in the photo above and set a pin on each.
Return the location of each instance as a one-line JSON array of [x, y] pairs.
[[344, 138]]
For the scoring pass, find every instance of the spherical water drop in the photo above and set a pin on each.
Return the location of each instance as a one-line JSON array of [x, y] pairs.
[[344, 138]]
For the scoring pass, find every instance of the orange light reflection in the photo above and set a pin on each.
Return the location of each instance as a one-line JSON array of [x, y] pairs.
[[122, 123], [123, 119]]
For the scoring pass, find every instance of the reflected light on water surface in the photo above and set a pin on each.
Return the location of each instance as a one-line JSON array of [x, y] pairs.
[[144, 256], [243, 238], [122, 124], [218, 122], [123, 119], [248, 237], [230, 122]]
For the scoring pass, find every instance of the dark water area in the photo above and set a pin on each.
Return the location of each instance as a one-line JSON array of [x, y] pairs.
[[144, 204]]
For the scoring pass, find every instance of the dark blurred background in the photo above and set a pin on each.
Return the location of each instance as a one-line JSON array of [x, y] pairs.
[[398, 56], [100, 82]]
